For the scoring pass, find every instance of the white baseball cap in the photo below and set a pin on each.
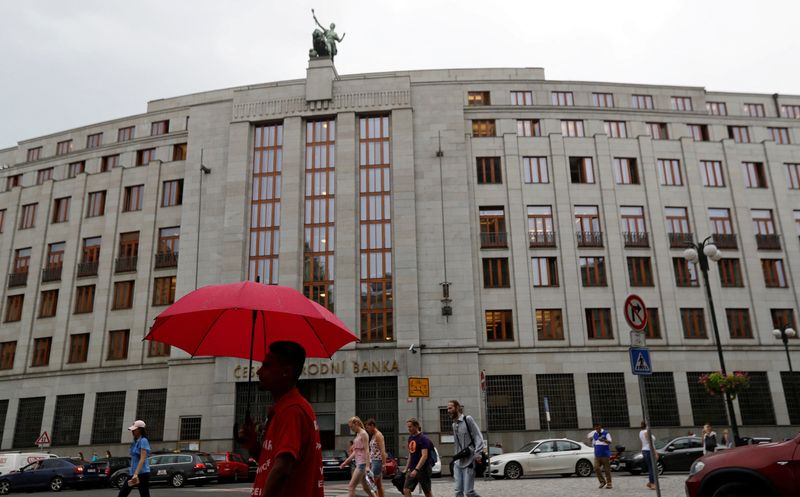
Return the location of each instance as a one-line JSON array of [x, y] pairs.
[[136, 424]]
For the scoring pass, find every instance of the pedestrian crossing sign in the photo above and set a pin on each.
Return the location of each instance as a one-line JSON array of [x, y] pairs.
[[640, 361]]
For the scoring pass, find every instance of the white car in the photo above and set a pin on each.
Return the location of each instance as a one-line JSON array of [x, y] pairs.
[[436, 470], [544, 457]]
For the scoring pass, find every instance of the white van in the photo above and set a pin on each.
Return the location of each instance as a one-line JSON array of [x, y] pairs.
[[12, 461]]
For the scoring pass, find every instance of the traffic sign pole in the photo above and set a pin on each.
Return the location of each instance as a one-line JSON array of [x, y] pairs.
[[646, 415]]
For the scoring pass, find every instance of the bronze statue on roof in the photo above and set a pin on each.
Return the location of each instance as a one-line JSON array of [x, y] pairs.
[[324, 40]]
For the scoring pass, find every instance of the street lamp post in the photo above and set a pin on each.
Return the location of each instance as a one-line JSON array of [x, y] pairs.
[[701, 253], [785, 332]]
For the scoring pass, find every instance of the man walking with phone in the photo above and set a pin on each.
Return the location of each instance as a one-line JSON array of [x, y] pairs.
[[601, 441], [469, 446]]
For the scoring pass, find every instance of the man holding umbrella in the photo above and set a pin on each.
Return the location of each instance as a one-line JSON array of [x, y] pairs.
[[290, 455]]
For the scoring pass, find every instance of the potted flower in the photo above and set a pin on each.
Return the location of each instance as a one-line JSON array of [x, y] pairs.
[[732, 383]]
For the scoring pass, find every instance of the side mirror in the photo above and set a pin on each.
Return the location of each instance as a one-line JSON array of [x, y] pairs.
[[670, 448], [537, 451]]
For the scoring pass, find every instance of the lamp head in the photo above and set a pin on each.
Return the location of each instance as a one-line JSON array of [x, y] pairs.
[[790, 332], [690, 254], [710, 250]]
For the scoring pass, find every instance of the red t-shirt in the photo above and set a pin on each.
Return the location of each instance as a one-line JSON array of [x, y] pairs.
[[292, 429]]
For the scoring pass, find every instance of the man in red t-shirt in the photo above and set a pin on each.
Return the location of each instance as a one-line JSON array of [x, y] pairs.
[[290, 455]]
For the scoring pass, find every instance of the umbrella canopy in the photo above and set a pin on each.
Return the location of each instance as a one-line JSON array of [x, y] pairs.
[[226, 320]]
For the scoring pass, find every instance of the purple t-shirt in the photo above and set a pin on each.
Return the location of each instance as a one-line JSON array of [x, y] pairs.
[[415, 445]]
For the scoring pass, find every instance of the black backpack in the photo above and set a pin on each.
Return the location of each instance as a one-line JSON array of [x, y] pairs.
[[432, 458]]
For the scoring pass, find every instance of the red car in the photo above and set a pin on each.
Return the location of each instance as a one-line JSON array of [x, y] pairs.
[[391, 466], [231, 466], [766, 470]]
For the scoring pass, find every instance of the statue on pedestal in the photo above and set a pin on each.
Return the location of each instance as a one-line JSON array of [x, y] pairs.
[[324, 40]]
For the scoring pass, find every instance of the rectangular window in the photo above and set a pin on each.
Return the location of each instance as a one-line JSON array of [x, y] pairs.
[[41, 352], [190, 427], [64, 147], [43, 175], [791, 391], [117, 345], [7, 352], [581, 170], [48, 302], [793, 176], [76, 168], [123, 295], [90, 251], [179, 151], [22, 260], [499, 326], [549, 324], [164, 290], [739, 323], [755, 401], [152, 406], [545, 271], [791, 112], [559, 389], [608, 399], [669, 171], [694, 323], [587, 226], [593, 271], [712, 173], [133, 198], [67, 419], [540, 226], [506, 403], [128, 252], [762, 221], [489, 171], [678, 229], [626, 171], [493, 227], [598, 324], [653, 328], [698, 132], [521, 98], [754, 110], [143, 157], [616, 129], [754, 175], [774, 274], [13, 181], [739, 134], [478, 98], [28, 218], [717, 108], [681, 103], [658, 131], [561, 98], [640, 271], [2, 219], [634, 229], [529, 127], [603, 100], [34, 153], [722, 228], [483, 127], [642, 102], [495, 272], [125, 134], [172, 192], [168, 247], [61, 210], [797, 221], [705, 408], [94, 140], [109, 162], [84, 299], [109, 409], [29, 422], [159, 128], [572, 127], [96, 204], [157, 349], [535, 170], [730, 273], [78, 348], [659, 390], [781, 318], [780, 135]]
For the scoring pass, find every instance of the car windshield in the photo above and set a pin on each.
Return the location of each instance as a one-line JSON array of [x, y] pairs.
[[660, 444], [331, 453], [529, 446], [206, 458], [218, 457]]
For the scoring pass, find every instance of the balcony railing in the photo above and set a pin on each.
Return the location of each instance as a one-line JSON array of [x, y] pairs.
[[635, 239], [726, 241], [87, 268], [590, 239], [52, 273], [680, 240], [125, 264], [494, 239], [166, 259], [18, 279], [542, 238], [768, 242]]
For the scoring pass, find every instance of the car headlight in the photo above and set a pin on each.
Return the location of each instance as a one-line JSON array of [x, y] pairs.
[[638, 457], [496, 463], [697, 467]]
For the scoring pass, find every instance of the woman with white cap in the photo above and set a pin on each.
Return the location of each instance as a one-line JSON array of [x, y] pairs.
[[140, 469]]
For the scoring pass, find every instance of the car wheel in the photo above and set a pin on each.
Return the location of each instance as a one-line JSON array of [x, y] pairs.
[[584, 468], [660, 468], [5, 487], [734, 489], [513, 471], [235, 477], [119, 480], [177, 480], [56, 484]]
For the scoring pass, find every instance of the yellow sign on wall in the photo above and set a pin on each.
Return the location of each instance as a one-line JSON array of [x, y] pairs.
[[419, 387]]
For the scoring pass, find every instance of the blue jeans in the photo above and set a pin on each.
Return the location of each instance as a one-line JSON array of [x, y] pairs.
[[465, 480], [651, 477]]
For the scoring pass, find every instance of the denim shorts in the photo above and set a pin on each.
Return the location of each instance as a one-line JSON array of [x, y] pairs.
[[362, 467], [376, 468]]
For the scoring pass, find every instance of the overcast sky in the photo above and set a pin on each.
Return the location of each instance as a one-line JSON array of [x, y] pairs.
[[69, 63]]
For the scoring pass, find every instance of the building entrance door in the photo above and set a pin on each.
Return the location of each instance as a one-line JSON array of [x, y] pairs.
[[377, 398]]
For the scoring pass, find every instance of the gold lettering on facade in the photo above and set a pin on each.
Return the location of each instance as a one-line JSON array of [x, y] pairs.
[[332, 368]]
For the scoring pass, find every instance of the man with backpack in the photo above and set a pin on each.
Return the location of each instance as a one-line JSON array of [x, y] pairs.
[[421, 458], [469, 447]]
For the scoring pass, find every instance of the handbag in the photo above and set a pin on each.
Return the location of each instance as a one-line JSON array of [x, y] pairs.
[[480, 466], [399, 480], [463, 453]]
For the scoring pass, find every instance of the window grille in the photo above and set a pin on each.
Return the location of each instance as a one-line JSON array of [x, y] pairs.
[[560, 392], [3, 412], [445, 421], [109, 409], [662, 402], [259, 406], [506, 406], [318, 391], [377, 398], [151, 407], [609, 399], [755, 401], [791, 390], [706, 408], [29, 422], [190, 427], [67, 419]]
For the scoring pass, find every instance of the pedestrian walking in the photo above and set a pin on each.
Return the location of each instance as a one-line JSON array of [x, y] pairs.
[[468, 446], [139, 472], [80, 456], [108, 454], [377, 454], [95, 457], [725, 441], [290, 455], [419, 461], [601, 441], [361, 456], [647, 446], [709, 439]]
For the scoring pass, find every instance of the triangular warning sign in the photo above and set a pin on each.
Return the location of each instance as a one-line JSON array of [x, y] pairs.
[[641, 365], [44, 439]]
